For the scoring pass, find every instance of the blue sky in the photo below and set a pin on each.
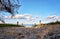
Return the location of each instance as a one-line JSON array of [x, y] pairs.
[[40, 8]]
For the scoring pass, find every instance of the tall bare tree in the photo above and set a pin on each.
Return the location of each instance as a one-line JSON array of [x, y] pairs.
[[10, 6]]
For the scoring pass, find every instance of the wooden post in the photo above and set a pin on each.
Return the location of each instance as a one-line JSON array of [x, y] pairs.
[[40, 22], [17, 22]]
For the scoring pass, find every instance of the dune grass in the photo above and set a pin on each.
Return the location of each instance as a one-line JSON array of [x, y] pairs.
[[57, 22], [10, 25]]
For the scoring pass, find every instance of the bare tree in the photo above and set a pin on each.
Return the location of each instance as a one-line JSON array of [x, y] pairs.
[[10, 6]]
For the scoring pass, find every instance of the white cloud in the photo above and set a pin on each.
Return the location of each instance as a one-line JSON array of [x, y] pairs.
[[19, 16], [5, 16], [50, 17], [28, 17], [22, 18], [53, 17], [0, 22]]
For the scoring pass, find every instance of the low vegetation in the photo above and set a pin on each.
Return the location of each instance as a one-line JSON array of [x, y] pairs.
[[57, 22], [35, 25], [10, 25], [51, 23]]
